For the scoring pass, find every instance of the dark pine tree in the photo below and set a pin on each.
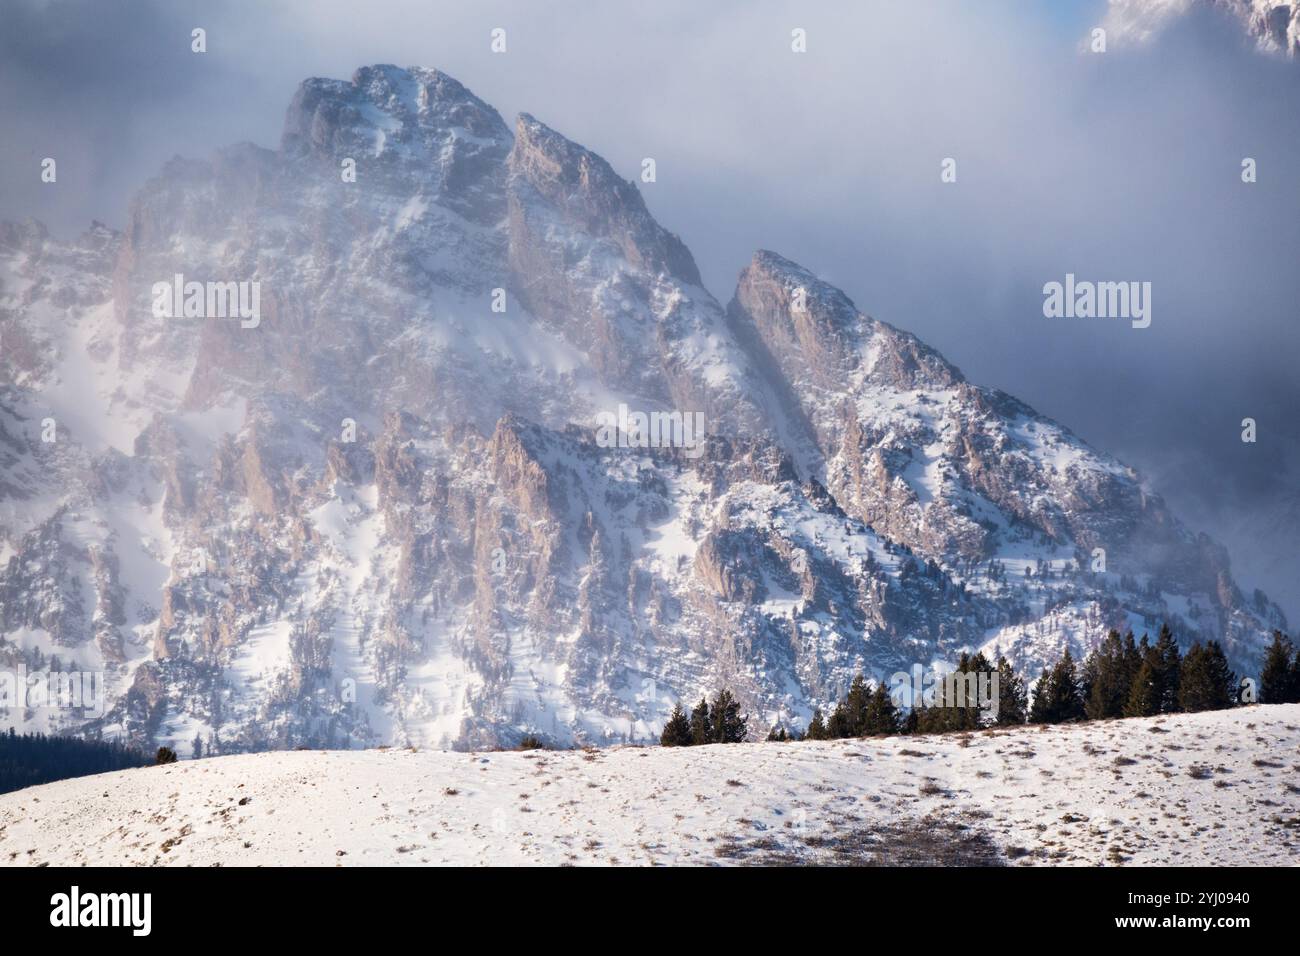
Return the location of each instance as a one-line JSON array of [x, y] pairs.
[[816, 727], [777, 734], [882, 715], [1207, 683], [1040, 711], [1144, 697], [1277, 681], [728, 723], [837, 725], [973, 711], [1192, 687], [701, 724], [677, 732], [1130, 663], [1065, 701], [912, 721], [1012, 701], [955, 699], [854, 708], [1106, 683], [952, 703], [933, 719], [1166, 648]]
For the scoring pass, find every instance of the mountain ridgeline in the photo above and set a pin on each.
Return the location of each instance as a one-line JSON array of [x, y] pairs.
[[381, 513]]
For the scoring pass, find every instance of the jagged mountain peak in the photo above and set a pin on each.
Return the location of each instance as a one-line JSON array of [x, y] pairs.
[[415, 115], [815, 333], [963, 475], [794, 276], [585, 188], [383, 513]]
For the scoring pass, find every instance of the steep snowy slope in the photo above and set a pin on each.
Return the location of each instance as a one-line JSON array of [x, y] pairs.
[[1192, 789], [1064, 539], [387, 510]]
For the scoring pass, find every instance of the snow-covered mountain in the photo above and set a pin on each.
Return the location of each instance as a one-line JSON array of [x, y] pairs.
[[1273, 25], [388, 509], [1204, 789]]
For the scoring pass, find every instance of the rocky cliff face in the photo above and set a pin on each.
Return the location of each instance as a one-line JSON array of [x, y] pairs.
[[391, 509]]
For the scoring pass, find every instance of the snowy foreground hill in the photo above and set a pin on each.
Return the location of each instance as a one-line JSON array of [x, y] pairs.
[[1205, 788]]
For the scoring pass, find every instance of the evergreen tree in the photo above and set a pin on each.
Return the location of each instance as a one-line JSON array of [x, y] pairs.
[[1143, 651], [776, 734], [1057, 695], [1065, 702], [912, 722], [952, 703], [1278, 684], [1207, 683], [728, 724], [837, 727], [701, 724], [956, 698], [971, 715], [1040, 710], [1012, 703], [165, 755], [1105, 684], [1166, 648], [1144, 696], [816, 727], [855, 707], [1193, 680], [935, 719], [882, 715], [677, 732], [1130, 664], [1090, 674]]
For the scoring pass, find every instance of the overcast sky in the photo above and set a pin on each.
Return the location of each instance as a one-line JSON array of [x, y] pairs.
[[1120, 166]]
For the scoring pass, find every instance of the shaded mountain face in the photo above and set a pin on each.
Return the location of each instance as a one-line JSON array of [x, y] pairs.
[[413, 502]]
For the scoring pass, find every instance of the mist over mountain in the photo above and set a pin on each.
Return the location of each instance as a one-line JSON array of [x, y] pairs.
[[380, 508]]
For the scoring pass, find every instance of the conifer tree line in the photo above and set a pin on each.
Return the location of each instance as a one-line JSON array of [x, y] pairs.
[[30, 759], [863, 712], [1123, 677], [719, 723], [871, 712]]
